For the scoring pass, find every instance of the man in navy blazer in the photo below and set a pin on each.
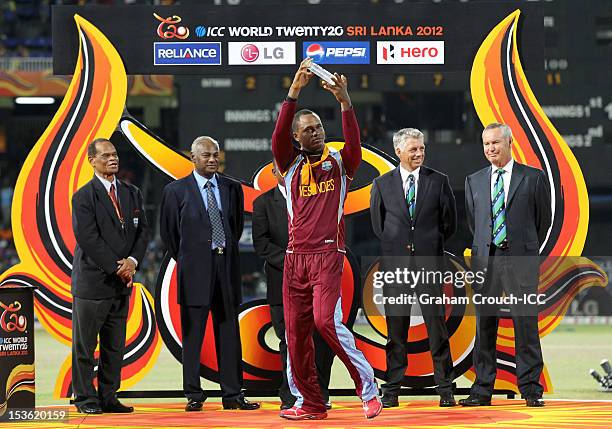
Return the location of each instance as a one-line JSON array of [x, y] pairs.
[[508, 208], [111, 231], [413, 214], [201, 224]]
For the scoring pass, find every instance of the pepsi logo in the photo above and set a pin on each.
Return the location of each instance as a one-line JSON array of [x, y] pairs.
[[249, 53], [315, 51]]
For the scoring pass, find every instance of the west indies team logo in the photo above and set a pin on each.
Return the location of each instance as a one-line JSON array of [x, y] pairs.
[[168, 28]]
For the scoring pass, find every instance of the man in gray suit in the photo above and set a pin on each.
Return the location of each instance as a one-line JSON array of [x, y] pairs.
[[509, 214]]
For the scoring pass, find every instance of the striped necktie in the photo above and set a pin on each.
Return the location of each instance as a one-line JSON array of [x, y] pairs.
[[411, 196], [498, 210], [113, 198]]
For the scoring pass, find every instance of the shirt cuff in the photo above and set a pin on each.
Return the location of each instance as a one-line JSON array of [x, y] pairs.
[[134, 260], [290, 100]]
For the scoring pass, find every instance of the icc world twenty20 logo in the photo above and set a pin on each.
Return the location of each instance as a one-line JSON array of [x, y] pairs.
[[168, 29], [9, 319]]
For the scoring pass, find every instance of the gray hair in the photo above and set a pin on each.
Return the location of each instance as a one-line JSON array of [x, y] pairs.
[[399, 137], [506, 131], [199, 140]]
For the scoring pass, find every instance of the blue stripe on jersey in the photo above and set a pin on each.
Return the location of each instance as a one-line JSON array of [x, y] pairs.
[[288, 178], [338, 157], [347, 341]]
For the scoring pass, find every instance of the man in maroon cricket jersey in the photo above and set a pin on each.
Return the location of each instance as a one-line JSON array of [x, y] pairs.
[[317, 179]]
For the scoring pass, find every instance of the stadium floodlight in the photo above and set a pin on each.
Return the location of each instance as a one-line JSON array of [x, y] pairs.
[[34, 100]]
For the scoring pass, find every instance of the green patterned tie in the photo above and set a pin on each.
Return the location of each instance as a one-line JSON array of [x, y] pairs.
[[410, 196], [498, 208]]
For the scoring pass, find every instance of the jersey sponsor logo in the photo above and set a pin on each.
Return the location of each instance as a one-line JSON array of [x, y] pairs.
[[322, 187], [329, 241]]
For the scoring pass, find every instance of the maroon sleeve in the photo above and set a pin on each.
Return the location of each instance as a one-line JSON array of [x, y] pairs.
[[351, 153], [282, 149]]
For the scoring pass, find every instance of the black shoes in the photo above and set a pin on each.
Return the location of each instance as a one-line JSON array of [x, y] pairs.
[[534, 402], [447, 400], [475, 401], [194, 405], [117, 407], [240, 403], [89, 409], [389, 401]]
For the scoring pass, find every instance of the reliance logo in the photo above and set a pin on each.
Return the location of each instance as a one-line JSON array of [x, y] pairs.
[[187, 53]]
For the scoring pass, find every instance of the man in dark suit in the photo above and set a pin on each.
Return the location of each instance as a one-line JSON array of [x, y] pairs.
[[270, 238], [111, 232], [413, 213], [201, 224], [508, 209]]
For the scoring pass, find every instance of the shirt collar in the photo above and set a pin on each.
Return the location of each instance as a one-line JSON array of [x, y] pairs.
[[283, 191], [507, 168], [202, 181], [405, 173], [107, 184]]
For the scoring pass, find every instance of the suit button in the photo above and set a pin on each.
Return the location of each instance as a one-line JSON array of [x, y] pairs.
[[488, 244], [210, 241], [412, 228]]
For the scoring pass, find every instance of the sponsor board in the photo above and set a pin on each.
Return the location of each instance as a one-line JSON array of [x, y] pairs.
[[186, 53], [337, 52], [261, 53], [410, 52]]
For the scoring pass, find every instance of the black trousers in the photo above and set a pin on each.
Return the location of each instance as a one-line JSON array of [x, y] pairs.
[[501, 278], [396, 347], [227, 338], [324, 357], [90, 318]]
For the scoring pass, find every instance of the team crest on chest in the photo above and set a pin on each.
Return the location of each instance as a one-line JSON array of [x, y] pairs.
[[326, 165]]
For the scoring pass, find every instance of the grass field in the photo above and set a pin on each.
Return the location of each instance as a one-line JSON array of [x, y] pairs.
[[569, 352]]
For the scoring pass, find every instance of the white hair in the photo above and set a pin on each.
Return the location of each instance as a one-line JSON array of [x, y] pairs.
[[201, 139], [506, 131], [399, 137]]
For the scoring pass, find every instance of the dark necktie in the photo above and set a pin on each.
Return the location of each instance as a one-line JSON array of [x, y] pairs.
[[218, 233], [498, 210], [113, 198], [411, 196]]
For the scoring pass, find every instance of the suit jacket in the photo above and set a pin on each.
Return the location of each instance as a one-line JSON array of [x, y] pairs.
[[187, 235], [270, 238], [101, 241], [435, 219], [528, 217]]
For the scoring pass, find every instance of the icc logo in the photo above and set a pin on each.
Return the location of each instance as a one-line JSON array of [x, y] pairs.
[[315, 51], [9, 319], [167, 29], [249, 53]]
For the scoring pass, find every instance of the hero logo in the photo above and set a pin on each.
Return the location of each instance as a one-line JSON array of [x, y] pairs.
[[413, 52], [249, 53], [261, 53], [338, 52], [186, 54]]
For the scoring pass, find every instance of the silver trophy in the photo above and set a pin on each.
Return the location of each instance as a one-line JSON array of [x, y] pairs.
[[322, 73]]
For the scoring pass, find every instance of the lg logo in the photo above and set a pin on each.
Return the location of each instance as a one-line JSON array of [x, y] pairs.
[[261, 53], [249, 53]]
